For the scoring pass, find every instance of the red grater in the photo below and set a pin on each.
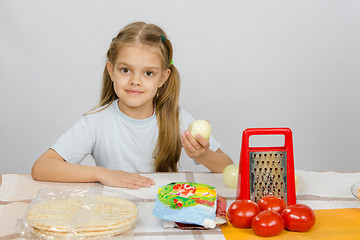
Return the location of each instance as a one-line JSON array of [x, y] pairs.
[[267, 170]]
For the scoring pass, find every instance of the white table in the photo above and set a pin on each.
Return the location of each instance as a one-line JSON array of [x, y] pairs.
[[319, 190]]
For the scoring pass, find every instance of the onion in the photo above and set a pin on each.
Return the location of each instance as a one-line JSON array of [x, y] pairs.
[[201, 127], [230, 175]]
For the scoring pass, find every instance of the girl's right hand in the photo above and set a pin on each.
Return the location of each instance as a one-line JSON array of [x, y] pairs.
[[121, 179]]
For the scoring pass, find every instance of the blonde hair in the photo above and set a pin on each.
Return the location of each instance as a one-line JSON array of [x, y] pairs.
[[168, 147]]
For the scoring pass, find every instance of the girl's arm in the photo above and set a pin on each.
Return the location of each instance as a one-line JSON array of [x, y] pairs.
[[198, 149], [52, 167]]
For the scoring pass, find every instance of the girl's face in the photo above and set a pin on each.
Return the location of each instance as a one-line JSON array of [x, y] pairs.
[[137, 74]]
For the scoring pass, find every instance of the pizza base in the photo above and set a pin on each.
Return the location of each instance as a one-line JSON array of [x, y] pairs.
[[85, 216]]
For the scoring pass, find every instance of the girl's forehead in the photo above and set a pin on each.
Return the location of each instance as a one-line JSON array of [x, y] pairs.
[[136, 51]]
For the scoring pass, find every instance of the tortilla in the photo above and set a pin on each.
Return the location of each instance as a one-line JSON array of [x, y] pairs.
[[88, 215]]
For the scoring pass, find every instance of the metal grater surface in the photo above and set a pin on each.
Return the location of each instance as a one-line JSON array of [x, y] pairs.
[[268, 175]]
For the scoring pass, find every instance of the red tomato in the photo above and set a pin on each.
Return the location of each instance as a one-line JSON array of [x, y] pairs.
[[267, 223], [272, 203], [241, 212], [299, 218]]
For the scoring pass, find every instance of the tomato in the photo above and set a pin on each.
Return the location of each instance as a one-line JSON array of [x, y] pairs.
[[272, 203], [267, 223], [241, 212], [299, 218]]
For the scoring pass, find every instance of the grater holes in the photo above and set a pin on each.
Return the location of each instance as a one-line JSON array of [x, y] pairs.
[[267, 174]]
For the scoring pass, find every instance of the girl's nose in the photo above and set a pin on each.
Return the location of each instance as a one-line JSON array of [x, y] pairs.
[[136, 80]]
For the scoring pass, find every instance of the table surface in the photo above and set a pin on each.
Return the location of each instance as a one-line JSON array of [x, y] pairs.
[[319, 190]]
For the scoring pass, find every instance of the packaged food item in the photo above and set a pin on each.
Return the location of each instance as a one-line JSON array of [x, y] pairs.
[[220, 210], [78, 214], [186, 202], [219, 219]]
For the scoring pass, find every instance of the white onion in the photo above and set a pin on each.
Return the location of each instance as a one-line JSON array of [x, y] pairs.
[[201, 127], [230, 175]]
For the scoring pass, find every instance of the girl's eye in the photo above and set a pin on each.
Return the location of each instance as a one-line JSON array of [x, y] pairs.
[[125, 70], [149, 74]]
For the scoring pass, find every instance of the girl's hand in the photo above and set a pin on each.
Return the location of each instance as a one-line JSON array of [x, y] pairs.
[[194, 148], [117, 178]]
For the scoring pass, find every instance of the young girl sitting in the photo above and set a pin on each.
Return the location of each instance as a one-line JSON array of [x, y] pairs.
[[137, 126]]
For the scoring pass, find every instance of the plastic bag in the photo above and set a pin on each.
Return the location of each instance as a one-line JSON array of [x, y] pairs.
[[79, 213], [186, 202]]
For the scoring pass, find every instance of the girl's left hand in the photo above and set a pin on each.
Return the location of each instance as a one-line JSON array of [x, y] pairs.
[[194, 148]]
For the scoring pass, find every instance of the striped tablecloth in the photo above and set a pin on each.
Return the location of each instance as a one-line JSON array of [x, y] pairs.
[[319, 190]]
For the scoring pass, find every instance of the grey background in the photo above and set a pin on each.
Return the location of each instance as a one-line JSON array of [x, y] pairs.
[[242, 64]]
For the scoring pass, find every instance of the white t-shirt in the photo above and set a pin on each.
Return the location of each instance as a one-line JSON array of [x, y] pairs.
[[117, 141]]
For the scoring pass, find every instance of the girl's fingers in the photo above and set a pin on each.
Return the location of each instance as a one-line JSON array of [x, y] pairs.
[[189, 148], [194, 143], [204, 143], [131, 186], [141, 181], [115, 178], [197, 144]]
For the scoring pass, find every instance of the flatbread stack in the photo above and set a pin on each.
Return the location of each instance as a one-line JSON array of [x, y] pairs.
[[82, 216]]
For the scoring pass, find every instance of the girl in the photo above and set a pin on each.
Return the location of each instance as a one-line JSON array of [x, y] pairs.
[[137, 125]]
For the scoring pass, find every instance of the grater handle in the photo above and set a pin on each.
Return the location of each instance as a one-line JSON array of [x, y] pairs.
[[268, 131]]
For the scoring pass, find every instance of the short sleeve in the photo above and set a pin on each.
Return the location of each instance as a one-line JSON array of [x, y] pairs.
[[76, 143]]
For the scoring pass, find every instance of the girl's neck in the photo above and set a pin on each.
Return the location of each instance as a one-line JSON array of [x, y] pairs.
[[136, 112]]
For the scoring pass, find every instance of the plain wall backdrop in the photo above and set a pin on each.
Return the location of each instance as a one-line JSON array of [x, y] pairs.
[[242, 64]]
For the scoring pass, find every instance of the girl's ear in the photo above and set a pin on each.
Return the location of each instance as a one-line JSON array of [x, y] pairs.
[[164, 77], [110, 69]]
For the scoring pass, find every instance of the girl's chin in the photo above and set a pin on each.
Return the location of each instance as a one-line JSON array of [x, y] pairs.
[[135, 105]]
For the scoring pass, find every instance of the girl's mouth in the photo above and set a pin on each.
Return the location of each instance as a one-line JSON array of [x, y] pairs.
[[133, 92]]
